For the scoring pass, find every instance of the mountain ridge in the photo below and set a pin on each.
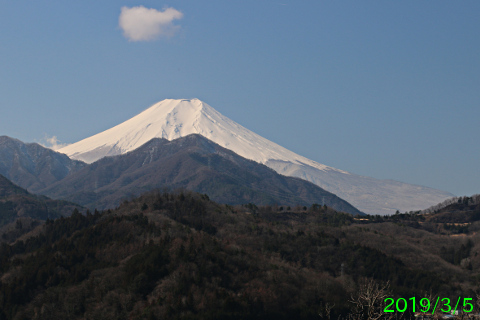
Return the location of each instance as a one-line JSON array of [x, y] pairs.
[[32, 166], [194, 163], [174, 118]]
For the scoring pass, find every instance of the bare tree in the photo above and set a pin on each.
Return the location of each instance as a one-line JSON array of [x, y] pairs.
[[326, 310], [369, 301]]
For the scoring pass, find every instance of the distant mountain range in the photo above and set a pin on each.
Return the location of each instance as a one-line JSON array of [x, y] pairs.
[[33, 167], [194, 163], [171, 119]]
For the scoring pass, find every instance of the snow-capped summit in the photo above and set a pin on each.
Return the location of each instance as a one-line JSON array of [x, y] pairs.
[[172, 119]]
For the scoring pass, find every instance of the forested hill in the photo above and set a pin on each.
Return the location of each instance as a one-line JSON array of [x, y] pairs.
[[9, 189], [16, 202], [181, 256], [456, 210]]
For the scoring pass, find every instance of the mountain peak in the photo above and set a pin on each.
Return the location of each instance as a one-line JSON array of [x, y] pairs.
[[175, 118], [169, 119], [191, 104]]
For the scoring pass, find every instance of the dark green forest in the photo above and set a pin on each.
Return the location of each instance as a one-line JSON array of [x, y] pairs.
[[179, 255]]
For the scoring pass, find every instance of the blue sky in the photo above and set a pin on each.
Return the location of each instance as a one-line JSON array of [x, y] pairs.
[[388, 89]]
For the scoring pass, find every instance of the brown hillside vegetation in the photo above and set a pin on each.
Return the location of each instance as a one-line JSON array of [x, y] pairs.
[[181, 256], [21, 210]]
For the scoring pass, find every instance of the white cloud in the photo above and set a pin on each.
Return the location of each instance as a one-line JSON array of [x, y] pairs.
[[52, 143], [143, 24]]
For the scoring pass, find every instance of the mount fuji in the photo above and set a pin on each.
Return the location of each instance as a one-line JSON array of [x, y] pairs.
[[175, 118]]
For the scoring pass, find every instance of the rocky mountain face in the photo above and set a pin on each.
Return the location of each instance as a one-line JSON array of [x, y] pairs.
[[194, 163], [32, 166]]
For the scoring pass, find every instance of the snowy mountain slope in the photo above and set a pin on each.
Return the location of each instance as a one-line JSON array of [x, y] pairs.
[[172, 119], [368, 194]]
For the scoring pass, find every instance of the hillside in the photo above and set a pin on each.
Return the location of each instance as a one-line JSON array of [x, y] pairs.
[[31, 166], [194, 163], [180, 255], [8, 189], [463, 210], [16, 203]]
